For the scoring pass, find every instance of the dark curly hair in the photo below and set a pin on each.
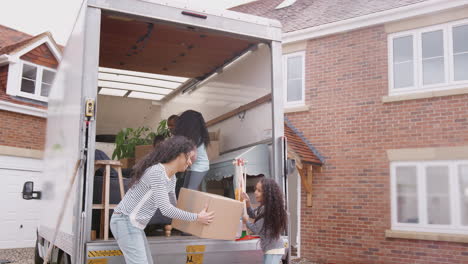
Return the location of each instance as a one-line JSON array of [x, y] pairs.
[[272, 210], [191, 124], [166, 151]]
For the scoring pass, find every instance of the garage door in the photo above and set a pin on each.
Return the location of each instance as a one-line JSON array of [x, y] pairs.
[[18, 218]]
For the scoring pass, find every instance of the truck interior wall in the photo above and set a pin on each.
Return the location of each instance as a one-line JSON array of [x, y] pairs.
[[243, 82], [244, 129], [116, 113]]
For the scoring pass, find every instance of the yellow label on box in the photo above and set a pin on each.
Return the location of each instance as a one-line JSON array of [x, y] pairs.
[[97, 261], [195, 254]]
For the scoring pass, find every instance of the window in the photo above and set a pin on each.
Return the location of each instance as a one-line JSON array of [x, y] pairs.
[[294, 80], [428, 59], [430, 196], [35, 81]]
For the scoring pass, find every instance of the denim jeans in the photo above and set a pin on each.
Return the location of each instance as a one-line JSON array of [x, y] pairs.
[[272, 258], [193, 179], [131, 240]]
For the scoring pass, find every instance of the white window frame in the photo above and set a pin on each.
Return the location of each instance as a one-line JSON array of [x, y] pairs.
[[285, 80], [38, 82], [455, 227], [418, 86]]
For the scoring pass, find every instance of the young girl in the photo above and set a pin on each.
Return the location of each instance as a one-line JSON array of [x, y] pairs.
[[191, 124], [152, 183], [269, 219]]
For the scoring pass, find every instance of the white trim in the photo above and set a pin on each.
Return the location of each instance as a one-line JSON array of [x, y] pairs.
[[455, 227], [377, 18], [418, 78], [285, 83], [23, 109], [4, 59], [299, 204], [45, 39]]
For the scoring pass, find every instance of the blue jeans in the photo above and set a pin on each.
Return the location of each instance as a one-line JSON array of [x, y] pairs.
[[272, 258], [193, 179], [131, 240]]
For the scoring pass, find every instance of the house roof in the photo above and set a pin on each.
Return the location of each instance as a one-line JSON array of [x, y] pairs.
[[310, 13], [9, 36], [18, 46], [300, 145]]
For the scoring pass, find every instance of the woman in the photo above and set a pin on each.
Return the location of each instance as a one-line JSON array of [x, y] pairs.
[[152, 183], [270, 219], [191, 124]]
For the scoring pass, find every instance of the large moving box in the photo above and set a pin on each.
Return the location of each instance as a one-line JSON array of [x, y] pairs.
[[228, 212], [212, 150]]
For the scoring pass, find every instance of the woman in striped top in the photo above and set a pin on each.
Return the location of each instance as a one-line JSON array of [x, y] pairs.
[[152, 183]]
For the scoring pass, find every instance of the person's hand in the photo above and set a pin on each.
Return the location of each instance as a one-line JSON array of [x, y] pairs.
[[205, 217], [245, 218], [245, 197]]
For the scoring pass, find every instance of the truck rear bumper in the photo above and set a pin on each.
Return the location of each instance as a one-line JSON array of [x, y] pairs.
[[181, 249]]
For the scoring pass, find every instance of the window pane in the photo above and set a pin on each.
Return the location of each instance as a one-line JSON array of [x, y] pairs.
[[433, 71], [403, 49], [463, 180], [432, 44], [460, 39], [45, 89], [407, 194], [403, 75], [29, 72], [47, 76], [461, 67], [295, 67], [438, 199], [294, 90], [28, 86]]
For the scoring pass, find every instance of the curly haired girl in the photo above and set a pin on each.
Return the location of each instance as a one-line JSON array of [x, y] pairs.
[[270, 219]]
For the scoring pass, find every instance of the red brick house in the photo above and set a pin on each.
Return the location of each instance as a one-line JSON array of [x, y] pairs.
[[380, 88], [27, 68]]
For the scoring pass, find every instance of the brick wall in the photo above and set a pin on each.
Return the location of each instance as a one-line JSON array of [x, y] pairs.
[[22, 131], [346, 77], [18, 130]]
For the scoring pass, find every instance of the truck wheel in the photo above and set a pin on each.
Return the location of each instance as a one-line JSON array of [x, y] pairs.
[[37, 257]]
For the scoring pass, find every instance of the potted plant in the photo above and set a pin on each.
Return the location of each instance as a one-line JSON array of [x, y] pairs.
[[126, 141], [143, 149]]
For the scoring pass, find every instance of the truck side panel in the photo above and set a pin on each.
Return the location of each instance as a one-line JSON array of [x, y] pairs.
[[63, 142]]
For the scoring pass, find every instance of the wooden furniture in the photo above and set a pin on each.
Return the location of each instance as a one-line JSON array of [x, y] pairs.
[[105, 206]]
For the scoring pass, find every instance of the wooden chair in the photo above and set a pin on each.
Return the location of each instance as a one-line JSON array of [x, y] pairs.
[[105, 206]]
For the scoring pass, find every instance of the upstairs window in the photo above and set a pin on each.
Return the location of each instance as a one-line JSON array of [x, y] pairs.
[[294, 79], [428, 59], [36, 81]]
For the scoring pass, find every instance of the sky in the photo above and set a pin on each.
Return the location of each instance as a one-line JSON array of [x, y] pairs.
[[58, 16]]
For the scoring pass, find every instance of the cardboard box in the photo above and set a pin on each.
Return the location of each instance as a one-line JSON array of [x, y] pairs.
[[127, 162], [212, 150], [141, 151], [227, 215]]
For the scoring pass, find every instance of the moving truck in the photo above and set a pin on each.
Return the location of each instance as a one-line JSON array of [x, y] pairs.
[[132, 63]]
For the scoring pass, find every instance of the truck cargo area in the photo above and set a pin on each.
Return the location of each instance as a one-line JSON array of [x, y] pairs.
[[131, 64], [149, 70]]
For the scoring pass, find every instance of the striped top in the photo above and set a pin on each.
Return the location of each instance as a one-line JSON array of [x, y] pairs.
[[151, 192]]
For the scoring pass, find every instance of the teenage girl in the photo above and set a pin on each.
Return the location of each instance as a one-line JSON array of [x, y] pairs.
[[152, 183], [191, 124]]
